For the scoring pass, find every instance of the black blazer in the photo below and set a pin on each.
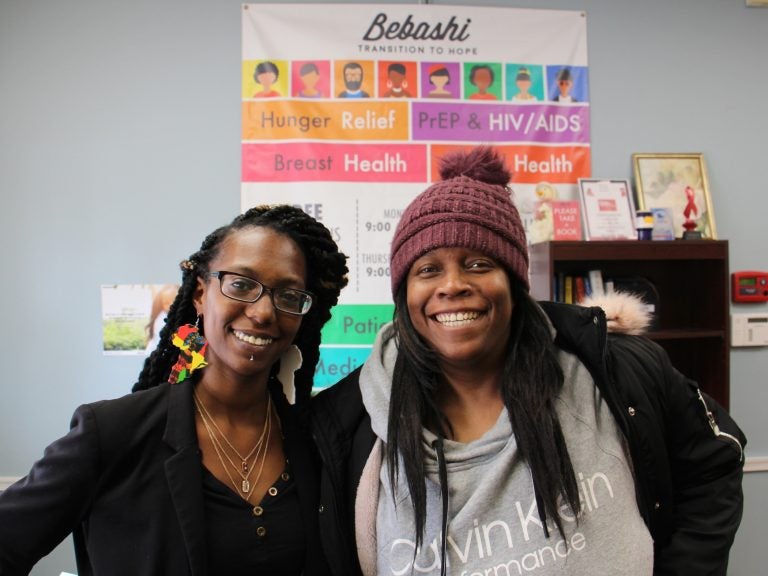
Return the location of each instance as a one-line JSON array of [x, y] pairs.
[[127, 483]]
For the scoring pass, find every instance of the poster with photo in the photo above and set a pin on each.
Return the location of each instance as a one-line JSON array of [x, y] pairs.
[[132, 316]]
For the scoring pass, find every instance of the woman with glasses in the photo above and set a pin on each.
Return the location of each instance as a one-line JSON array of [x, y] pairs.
[[205, 469]]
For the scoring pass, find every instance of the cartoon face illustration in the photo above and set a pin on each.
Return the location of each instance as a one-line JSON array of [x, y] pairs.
[[397, 83], [523, 81], [310, 76], [439, 77], [482, 77], [353, 76], [564, 82], [266, 74]]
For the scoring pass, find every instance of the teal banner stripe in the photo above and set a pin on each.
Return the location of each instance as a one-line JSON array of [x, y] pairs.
[[335, 363]]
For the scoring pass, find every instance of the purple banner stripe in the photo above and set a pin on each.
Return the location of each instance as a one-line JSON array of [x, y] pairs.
[[540, 123]]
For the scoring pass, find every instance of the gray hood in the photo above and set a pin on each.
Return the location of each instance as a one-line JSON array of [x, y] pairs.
[[376, 385], [376, 379]]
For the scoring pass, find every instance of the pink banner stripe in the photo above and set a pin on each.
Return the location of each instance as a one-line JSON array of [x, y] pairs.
[[313, 162]]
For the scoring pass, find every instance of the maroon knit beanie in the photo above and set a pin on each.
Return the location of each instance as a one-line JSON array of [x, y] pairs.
[[470, 208]]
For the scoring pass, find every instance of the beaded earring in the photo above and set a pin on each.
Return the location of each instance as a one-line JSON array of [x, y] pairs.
[[192, 347]]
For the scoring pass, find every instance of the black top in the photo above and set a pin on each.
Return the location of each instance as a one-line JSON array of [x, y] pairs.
[[245, 539]]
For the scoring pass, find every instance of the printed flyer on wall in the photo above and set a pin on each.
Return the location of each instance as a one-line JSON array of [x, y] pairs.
[[132, 316], [347, 118]]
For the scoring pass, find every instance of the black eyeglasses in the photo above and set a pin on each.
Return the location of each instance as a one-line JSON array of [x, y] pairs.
[[245, 289]]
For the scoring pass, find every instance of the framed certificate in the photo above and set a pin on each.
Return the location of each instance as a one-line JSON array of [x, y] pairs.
[[608, 209]]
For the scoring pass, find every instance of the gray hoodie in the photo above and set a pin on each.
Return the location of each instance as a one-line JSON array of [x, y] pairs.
[[494, 526]]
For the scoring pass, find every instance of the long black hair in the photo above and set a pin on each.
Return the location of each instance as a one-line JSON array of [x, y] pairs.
[[326, 276], [531, 380]]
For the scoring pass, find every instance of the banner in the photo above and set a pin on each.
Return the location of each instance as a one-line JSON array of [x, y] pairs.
[[347, 115]]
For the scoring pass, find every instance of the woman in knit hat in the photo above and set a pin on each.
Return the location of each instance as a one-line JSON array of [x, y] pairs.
[[491, 434]]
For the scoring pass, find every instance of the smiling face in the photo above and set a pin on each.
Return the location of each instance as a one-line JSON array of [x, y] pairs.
[[460, 303], [237, 331], [396, 78]]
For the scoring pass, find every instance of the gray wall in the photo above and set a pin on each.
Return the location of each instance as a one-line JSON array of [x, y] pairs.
[[120, 131]]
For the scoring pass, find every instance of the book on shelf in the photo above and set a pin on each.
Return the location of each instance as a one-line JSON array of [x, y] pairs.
[[568, 291], [560, 296], [579, 292], [575, 288], [596, 280]]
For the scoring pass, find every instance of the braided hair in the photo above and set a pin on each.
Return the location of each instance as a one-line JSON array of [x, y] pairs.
[[326, 276]]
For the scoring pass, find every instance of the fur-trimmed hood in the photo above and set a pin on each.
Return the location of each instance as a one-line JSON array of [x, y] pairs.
[[625, 313]]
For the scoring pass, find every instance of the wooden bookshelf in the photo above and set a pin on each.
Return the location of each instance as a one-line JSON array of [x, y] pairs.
[[691, 278]]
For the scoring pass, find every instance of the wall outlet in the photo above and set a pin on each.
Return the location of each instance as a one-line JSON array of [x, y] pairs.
[[749, 330]]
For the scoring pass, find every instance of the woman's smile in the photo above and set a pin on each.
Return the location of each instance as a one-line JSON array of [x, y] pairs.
[[457, 319], [254, 340]]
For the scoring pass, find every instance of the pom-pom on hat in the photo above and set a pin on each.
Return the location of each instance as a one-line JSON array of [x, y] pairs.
[[469, 207]]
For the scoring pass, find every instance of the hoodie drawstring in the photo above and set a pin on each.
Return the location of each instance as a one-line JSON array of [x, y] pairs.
[[443, 475]]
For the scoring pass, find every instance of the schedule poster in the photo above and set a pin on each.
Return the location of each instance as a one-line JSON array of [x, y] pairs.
[[346, 110]]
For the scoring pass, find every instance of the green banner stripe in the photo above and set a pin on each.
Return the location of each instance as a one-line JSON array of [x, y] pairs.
[[356, 323]]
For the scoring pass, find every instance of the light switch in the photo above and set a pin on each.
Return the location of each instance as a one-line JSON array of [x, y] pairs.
[[749, 330]]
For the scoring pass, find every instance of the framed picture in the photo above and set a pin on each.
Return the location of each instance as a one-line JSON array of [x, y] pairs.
[[678, 182], [608, 210]]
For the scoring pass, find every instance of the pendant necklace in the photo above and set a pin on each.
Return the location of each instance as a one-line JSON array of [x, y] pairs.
[[258, 452]]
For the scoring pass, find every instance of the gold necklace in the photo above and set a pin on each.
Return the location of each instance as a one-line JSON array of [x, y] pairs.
[[243, 459], [260, 449], [245, 486], [221, 452]]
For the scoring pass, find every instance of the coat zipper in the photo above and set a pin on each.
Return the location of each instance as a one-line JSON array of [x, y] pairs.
[[716, 429]]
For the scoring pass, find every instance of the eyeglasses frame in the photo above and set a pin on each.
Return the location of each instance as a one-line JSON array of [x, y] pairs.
[[264, 288]]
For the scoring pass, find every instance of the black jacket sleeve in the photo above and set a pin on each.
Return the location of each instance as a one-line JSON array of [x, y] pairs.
[[40, 510], [704, 452], [343, 434]]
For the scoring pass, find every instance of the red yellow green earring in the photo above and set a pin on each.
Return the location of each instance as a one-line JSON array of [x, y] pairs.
[[192, 347]]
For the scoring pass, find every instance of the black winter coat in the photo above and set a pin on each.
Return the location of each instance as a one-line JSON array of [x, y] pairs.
[[686, 451]]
